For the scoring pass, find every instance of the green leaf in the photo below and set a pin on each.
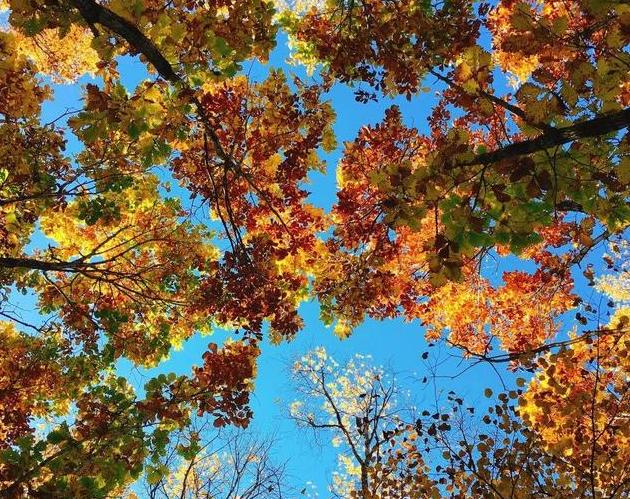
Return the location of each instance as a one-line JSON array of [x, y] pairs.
[[221, 46]]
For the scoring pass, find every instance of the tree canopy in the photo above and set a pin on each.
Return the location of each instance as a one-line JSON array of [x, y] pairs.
[[121, 269]]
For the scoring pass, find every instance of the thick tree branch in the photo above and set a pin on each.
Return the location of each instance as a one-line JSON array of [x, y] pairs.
[[595, 127], [32, 263], [94, 13]]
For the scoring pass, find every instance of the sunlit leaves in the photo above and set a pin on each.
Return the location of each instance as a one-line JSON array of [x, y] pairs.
[[402, 42], [22, 94], [65, 56]]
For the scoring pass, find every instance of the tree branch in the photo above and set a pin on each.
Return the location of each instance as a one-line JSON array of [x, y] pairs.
[[32, 263], [94, 13], [494, 99], [594, 127]]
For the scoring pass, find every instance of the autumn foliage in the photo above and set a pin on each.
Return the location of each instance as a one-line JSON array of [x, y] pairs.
[[524, 161]]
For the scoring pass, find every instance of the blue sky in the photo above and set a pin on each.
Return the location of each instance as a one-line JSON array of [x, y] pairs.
[[392, 343]]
